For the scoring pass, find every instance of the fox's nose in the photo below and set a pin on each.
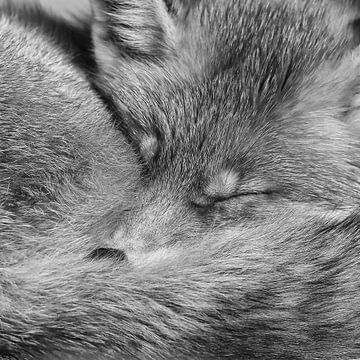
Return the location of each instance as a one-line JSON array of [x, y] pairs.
[[108, 253]]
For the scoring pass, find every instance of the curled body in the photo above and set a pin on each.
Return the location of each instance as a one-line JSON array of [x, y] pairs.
[[63, 168], [232, 217]]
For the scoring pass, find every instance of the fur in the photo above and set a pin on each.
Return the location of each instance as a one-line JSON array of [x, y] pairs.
[[263, 91], [77, 13], [63, 168], [235, 235]]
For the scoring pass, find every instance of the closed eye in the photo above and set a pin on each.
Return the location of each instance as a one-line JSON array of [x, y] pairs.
[[218, 199], [206, 203]]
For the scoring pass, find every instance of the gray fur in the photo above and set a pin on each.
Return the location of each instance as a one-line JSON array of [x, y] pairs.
[[73, 12], [263, 88], [65, 176]]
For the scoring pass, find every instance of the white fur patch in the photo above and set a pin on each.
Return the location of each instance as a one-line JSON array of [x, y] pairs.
[[223, 184], [157, 257], [149, 147]]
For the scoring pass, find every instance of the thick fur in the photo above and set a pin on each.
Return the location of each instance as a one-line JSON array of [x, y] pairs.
[[240, 240], [264, 92], [261, 91], [65, 174], [76, 13]]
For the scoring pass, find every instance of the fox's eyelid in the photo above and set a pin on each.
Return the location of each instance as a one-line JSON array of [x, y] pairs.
[[242, 194], [210, 201], [201, 204]]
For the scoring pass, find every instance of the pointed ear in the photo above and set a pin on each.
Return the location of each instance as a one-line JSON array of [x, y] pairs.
[[140, 29]]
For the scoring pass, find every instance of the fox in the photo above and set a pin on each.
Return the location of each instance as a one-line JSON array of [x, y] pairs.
[[195, 195]]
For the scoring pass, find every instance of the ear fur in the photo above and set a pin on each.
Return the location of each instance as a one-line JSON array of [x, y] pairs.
[[75, 12], [136, 28]]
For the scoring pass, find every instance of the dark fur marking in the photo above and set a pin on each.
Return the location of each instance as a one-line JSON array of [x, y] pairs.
[[108, 254]]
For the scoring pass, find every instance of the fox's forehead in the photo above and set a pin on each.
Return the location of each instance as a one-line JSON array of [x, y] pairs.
[[210, 125], [233, 31], [250, 71], [235, 68], [213, 160], [241, 63]]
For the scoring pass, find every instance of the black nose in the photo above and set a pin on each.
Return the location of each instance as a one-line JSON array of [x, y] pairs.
[[107, 253]]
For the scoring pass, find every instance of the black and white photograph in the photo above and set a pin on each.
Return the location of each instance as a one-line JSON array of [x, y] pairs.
[[179, 179]]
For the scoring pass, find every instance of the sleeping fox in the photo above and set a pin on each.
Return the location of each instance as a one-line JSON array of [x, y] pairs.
[[225, 226]]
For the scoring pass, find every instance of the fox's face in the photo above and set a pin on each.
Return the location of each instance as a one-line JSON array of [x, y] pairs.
[[237, 109]]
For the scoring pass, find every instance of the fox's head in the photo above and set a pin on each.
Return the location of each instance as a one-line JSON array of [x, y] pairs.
[[237, 109]]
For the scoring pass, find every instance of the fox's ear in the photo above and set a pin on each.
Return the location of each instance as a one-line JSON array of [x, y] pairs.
[[135, 28]]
